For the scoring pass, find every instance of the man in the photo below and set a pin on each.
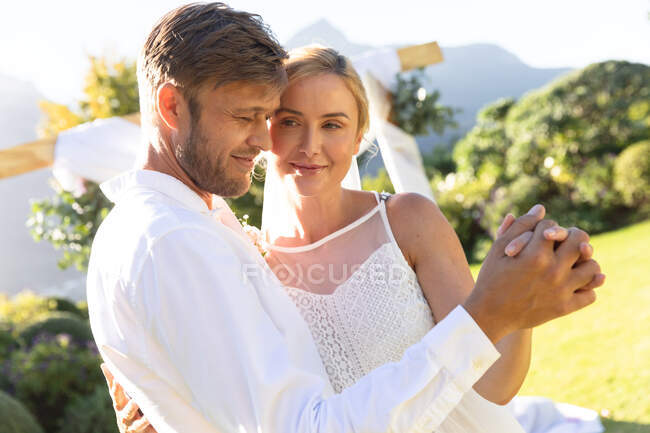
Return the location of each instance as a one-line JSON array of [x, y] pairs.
[[203, 346]]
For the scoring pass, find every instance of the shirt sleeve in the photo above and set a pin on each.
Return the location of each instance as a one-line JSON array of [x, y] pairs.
[[216, 361]]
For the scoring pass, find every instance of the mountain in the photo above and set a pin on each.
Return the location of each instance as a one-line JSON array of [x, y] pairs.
[[322, 32], [25, 264], [470, 77]]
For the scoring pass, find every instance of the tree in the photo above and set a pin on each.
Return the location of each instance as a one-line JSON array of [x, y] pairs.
[[557, 145], [68, 221]]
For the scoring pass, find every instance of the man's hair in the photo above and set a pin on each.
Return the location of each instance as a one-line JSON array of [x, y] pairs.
[[314, 60], [208, 44]]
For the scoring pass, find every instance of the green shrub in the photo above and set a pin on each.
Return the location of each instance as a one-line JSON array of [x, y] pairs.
[[90, 414], [379, 183], [58, 323], [14, 418], [23, 309], [632, 175], [50, 374], [7, 340], [55, 303], [462, 201]]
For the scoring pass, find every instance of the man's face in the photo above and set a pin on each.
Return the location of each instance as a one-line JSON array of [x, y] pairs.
[[227, 131]]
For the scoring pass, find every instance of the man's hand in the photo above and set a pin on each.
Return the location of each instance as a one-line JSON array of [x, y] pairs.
[[129, 417], [539, 284]]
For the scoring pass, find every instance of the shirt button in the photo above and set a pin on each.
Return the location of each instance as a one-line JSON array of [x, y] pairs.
[[477, 364]]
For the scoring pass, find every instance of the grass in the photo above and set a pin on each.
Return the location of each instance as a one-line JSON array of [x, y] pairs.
[[600, 357]]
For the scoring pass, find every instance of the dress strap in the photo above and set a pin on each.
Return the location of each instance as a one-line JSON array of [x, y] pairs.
[[384, 196]]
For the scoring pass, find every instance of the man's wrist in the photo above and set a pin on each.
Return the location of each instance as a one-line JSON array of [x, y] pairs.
[[491, 324]]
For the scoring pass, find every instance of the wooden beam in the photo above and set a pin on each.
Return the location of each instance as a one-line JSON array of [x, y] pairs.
[[418, 56], [27, 157]]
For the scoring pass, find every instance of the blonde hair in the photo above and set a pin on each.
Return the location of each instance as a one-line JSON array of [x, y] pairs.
[[313, 60]]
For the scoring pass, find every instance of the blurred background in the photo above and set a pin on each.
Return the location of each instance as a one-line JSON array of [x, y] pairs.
[[535, 102]]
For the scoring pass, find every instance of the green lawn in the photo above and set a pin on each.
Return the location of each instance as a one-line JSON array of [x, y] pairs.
[[600, 357]]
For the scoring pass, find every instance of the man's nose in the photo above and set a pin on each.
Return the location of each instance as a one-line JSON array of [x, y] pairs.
[[261, 137]]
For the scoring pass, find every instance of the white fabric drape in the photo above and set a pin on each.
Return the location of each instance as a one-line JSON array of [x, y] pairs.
[[96, 151]]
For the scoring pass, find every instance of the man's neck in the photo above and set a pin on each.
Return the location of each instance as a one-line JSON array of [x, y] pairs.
[[161, 158]]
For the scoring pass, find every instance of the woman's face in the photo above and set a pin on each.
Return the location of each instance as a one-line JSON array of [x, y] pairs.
[[314, 133]]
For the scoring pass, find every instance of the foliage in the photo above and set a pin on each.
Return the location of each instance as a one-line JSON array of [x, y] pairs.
[[249, 206], [25, 308], [49, 362], [90, 414], [55, 303], [67, 221], [559, 146], [417, 111], [439, 160], [51, 373], [632, 175], [15, 417], [70, 222], [57, 323], [7, 342], [111, 89], [380, 183], [461, 198]]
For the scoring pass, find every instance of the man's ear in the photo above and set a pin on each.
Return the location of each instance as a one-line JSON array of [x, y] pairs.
[[170, 105]]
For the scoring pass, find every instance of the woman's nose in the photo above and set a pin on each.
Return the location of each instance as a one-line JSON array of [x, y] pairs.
[[311, 144]]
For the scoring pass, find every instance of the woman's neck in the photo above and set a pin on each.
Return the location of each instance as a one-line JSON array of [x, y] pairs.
[[312, 218]]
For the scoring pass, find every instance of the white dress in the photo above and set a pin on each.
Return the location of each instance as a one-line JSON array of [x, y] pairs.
[[365, 307]]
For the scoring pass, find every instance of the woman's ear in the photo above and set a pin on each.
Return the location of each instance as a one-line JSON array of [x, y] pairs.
[[170, 105], [357, 144]]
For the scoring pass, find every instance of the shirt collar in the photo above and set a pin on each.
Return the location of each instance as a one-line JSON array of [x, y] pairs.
[[163, 183]]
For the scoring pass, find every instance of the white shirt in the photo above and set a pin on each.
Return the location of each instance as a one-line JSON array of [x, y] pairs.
[[200, 333]]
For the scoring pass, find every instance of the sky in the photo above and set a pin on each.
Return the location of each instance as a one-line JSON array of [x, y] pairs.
[[48, 42]]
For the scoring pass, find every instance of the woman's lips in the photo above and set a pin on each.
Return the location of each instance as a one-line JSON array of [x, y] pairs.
[[307, 169]]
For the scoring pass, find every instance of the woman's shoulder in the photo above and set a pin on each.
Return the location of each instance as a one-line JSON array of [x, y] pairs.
[[411, 207], [415, 220]]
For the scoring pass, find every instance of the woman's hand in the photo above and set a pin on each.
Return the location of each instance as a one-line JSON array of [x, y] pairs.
[[130, 418], [557, 234]]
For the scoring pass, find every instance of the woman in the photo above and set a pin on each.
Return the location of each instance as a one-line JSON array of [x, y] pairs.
[[370, 273]]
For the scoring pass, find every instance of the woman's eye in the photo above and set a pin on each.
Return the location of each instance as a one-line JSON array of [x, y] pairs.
[[331, 125]]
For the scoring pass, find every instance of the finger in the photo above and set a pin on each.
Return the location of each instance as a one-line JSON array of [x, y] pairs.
[[569, 250], [128, 414], [140, 425], [507, 222], [107, 374], [583, 274], [521, 225], [581, 299], [119, 397], [539, 242], [517, 244], [597, 281], [557, 234], [586, 252]]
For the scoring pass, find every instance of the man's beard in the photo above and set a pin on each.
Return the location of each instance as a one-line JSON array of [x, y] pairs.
[[209, 174]]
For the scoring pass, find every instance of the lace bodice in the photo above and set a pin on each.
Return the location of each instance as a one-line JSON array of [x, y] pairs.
[[371, 312], [369, 320]]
